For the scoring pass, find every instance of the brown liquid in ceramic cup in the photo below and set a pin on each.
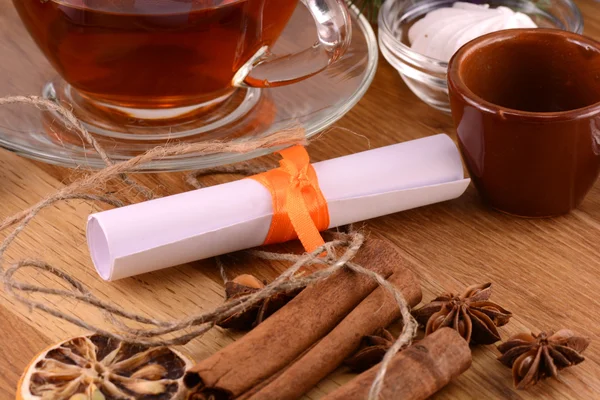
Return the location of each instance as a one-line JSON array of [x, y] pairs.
[[526, 105]]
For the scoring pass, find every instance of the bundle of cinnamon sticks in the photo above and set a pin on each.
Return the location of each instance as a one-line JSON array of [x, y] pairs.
[[306, 340]]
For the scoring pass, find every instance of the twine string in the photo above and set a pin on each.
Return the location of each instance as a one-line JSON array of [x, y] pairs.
[[186, 329]]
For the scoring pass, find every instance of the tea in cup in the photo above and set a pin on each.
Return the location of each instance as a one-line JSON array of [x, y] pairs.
[[160, 61]]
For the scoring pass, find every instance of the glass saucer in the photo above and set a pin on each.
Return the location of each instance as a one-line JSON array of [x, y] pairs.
[[313, 104]]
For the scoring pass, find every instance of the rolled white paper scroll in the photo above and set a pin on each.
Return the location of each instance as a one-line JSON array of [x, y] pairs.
[[204, 223]]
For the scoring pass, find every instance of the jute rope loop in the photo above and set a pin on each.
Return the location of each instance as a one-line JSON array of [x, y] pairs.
[[184, 330]]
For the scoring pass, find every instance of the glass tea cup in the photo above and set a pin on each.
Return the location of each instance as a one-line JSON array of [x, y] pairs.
[[131, 66]]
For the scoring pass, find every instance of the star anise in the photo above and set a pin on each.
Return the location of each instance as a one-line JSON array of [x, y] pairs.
[[371, 351], [471, 314], [536, 357], [244, 285]]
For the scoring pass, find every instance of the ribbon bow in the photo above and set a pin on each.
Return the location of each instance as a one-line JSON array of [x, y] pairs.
[[299, 207]]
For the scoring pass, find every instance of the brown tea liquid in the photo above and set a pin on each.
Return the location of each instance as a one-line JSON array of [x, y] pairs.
[[153, 53]]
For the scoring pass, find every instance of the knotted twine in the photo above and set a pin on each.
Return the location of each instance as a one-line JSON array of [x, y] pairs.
[[325, 256]]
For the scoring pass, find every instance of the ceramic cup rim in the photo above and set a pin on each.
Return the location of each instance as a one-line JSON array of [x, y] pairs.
[[458, 86]]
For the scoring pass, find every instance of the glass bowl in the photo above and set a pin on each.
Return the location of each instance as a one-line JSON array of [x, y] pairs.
[[426, 76]]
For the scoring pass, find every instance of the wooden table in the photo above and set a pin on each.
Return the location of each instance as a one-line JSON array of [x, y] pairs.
[[547, 272]]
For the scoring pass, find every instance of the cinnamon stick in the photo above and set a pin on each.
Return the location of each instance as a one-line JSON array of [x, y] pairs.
[[417, 372], [378, 310], [289, 332]]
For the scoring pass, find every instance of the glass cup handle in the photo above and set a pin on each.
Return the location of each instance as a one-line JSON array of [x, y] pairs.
[[335, 32]]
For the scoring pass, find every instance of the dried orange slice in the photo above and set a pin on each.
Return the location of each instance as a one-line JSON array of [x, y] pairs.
[[100, 368]]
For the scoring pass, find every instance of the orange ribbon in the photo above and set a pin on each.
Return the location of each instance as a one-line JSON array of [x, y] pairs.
[[299, 207]]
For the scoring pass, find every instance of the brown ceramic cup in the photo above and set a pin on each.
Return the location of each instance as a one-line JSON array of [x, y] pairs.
[[526, 106]]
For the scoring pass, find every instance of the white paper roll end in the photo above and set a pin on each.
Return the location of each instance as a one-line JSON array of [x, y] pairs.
[[99, 248]]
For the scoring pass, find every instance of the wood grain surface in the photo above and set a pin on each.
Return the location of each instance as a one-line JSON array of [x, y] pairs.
[[546, 271]]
